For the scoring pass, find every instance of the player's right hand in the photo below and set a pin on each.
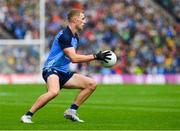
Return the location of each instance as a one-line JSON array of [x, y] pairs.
[[103, 56]]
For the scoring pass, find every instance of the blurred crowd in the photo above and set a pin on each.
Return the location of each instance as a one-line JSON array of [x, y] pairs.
[[172, 6], [20, 18], [19, 59], [145, 40], [143, 37]]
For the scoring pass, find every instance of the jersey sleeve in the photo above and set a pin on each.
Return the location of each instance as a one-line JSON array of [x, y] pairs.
[[64, 41]]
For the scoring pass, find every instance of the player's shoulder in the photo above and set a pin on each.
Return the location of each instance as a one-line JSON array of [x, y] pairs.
[[65, 34]]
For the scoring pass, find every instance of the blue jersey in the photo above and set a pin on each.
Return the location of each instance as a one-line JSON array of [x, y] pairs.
[[57, 59]]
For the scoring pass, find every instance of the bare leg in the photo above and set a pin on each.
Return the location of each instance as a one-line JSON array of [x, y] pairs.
[[82, 96], [53, 91], [86, 84]]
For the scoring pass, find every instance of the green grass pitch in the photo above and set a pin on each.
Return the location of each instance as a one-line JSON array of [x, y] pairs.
[[111, 107]]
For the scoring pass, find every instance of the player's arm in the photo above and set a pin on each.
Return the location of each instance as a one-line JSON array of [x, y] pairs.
[[65, 43], [75, 58]]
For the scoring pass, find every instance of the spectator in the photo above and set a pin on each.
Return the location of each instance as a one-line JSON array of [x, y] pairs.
[[145, 40]]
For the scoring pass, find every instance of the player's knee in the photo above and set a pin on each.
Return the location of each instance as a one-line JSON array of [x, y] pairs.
[[54, 93], [92, 85]]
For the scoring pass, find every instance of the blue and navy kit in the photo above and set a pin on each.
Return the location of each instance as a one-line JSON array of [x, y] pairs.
[[57, 59]]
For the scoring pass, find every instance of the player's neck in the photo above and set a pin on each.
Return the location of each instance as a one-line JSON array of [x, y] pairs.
[[72, 28]]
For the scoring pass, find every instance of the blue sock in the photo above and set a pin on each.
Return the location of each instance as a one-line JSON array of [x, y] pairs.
[[29, 113], [74, 106]]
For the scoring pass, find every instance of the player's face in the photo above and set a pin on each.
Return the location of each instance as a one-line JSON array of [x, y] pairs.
[[81, 20]]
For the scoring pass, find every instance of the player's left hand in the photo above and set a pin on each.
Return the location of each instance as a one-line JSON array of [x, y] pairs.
[[103, 56]]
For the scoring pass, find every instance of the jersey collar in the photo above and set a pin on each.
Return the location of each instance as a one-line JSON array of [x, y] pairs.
[[69, 30]]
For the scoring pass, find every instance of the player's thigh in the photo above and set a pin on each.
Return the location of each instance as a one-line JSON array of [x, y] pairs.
[[80, 81], [53, 83]]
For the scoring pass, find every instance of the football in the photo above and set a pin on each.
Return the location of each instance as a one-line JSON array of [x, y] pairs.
[[111, 62]]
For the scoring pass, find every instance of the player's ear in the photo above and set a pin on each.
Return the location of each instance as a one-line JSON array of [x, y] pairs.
[[75, 19]]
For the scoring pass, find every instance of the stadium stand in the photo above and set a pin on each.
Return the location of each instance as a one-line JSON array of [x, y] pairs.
[[168, 4], [20, 18], [19, 59], [4, 34], [144, 39]]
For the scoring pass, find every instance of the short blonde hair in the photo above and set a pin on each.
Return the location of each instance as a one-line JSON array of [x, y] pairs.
[[74, 12]]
